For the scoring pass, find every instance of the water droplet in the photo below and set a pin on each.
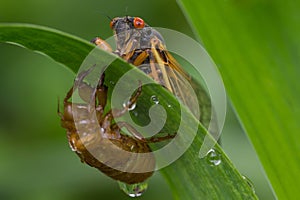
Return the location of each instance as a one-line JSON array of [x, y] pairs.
[[154, 99], [133, 190], [111, 82], [213, 157], [169, 106], [249, 182], [132, 107]]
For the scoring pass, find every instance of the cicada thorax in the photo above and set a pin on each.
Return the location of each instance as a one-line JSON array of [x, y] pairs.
[[97, 140]]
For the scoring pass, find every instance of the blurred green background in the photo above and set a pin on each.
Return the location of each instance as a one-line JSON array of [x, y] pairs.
[[36, 161]]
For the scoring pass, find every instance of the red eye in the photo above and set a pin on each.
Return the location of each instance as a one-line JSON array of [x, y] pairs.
[[138, 23]]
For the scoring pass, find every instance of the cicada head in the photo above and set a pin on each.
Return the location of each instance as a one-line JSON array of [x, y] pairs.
[[132, 33]]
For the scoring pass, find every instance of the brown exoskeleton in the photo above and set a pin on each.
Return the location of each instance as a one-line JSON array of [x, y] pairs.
[[108, 135]]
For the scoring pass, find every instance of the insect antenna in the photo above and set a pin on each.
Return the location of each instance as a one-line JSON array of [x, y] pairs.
[[106, 15]]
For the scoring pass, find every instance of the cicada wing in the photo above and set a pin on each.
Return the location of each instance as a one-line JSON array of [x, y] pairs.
[[191, 94], [182, 88], [170, 74]]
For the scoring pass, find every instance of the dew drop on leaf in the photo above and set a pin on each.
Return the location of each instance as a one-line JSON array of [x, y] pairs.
[[213, 157], [154, 99], [133, 190], [249, 182], [132, 107]]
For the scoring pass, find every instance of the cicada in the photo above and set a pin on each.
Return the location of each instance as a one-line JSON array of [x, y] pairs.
[[144, 47]]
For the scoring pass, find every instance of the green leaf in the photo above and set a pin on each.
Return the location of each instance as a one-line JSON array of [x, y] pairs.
[[189, 177], [257, 47], [48, 41]]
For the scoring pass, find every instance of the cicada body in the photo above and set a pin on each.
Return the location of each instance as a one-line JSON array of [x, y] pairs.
[[144, 47]]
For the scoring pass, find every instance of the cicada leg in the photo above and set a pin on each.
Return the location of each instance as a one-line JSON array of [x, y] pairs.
[[102, 44], [140, 137], [69, 94], [96, 97], [119, 112], [154, 139], [131, 129], [114, 129], [101, 95]]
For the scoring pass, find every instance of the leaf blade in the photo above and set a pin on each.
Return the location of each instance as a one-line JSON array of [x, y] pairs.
[[256, 43], [221, 181]]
